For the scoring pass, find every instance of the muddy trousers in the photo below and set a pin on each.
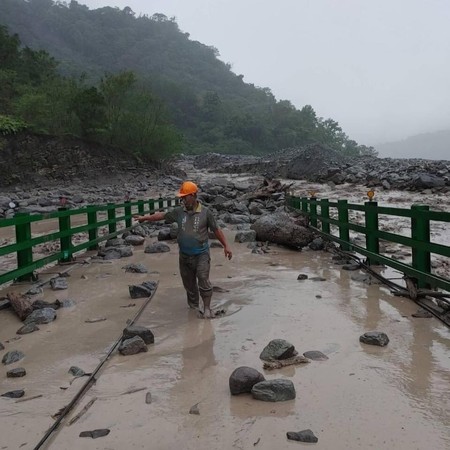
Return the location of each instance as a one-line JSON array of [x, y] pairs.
[[194, 271]]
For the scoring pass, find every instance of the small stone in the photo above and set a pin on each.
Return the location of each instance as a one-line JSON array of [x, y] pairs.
[[2, 347], [302, 277], [194, 410], [302, 436], [350, 267], [148, 398], [315, 355], [35, 290], [157, 247], [94, 434], [4, 303], [374, 338], [59, 283], [76, 371], [422, 314], [135, 268], [16, 373], [14, 394]]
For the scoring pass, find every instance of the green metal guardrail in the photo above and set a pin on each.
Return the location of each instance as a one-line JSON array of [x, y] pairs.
[[25, 242], [318, 211]]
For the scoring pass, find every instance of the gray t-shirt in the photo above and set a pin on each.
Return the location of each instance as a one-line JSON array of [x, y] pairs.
[[192, 228]]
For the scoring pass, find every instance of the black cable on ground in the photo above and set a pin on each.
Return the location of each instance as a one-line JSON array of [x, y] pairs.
[[91, 380], [396, 289]]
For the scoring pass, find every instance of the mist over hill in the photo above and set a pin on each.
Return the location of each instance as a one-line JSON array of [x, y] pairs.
[[427, 146]]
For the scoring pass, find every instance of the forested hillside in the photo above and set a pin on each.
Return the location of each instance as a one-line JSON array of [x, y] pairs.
[[113, 77]]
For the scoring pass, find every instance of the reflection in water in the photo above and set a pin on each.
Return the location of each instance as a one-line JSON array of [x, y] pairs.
[[420, 372], [198, 353]]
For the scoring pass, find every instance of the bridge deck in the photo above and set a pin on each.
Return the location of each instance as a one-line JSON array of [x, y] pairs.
[[362, 397]]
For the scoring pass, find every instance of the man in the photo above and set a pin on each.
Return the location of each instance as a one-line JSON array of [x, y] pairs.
[[193, 221]]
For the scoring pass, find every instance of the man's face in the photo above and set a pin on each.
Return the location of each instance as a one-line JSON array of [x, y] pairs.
[[189, 201]]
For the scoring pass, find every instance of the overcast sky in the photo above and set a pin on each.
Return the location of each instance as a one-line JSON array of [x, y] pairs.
[[381, 68]]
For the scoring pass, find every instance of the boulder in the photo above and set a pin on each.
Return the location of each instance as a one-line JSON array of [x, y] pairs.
[[281, 228], [243, 379], [277, 349], [278, 390]]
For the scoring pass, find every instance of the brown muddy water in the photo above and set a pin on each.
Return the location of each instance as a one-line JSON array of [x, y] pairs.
[[362, 397]]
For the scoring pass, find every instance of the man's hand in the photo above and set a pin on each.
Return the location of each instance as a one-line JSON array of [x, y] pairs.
[[140, 219], [228, 253]]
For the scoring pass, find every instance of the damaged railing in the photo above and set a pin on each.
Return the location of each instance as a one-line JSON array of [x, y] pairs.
[[114, 218], [331, 219]]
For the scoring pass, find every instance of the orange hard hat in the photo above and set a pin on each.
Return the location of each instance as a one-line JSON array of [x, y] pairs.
[[187, 188]]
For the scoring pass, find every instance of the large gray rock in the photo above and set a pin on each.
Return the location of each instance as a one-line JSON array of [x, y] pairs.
[[281, 228], [114, 242], [135, 330], [135, 268], [18, 372], [243, 379], [41, 316], [133, 346], [302, 436], [277, 349], [157, 247], [134, 240], [424, 181], [278, 390], [27, 329], [59, 283], [374, 338], [142, 290], [12, 357]]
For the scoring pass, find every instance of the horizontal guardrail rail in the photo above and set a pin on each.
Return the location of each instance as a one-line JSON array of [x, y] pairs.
[[116, 217], [324, 214]]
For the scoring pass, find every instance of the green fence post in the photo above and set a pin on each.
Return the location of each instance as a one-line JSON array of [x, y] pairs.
[[112, 216], [420, 231], [313, 206], [371, 221], [344, 232], [141, 207], [304, 203], [92, 220], [65, 241], [169, 203], [151, 205], [128, 218], [325, 214], [25, 256]]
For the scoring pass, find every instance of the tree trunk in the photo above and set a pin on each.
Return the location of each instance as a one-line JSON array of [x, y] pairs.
[[21, 304]]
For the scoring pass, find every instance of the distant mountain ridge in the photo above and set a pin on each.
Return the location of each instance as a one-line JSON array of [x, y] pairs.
[[434, 145]]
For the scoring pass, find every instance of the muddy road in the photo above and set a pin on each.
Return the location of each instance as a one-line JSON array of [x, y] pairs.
[[361, 397]]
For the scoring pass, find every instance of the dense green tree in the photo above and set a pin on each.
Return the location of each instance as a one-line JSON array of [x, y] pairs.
[[190, 99]]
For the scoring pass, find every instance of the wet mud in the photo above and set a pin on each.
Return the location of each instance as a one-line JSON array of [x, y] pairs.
[[361, 397]]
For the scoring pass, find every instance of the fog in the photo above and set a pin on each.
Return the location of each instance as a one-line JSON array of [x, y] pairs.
[[380, 68]]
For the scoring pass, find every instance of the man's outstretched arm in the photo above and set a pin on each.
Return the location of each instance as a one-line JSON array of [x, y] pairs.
[[150, 217]]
